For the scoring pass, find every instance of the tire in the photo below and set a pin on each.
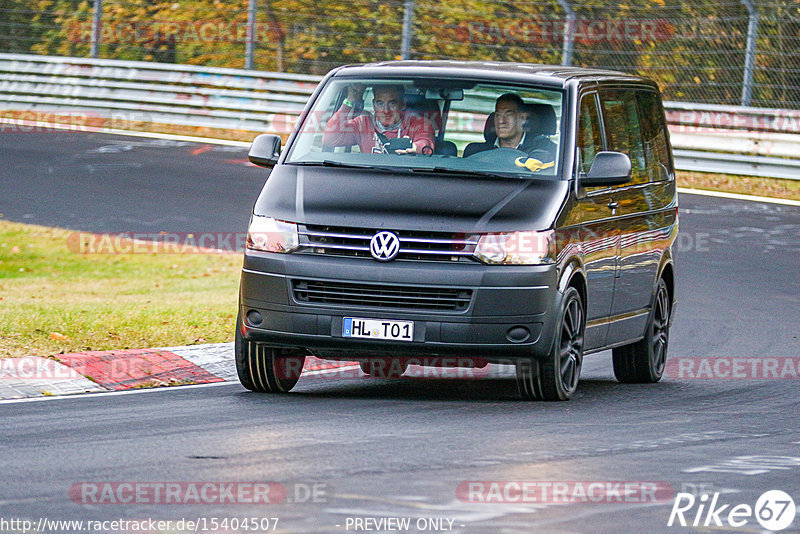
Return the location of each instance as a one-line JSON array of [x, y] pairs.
[[643, 362], [384, 367], [266, 369], [556, 377]]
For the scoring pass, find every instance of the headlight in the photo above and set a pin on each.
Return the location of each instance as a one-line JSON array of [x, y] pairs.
[[271, 235], [517, 248]]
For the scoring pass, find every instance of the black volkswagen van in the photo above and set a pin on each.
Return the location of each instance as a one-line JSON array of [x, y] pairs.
[[510, 213]]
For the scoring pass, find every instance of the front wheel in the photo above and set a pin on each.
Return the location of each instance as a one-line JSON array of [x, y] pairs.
[[643, 362], [555, 378], [266, 369]]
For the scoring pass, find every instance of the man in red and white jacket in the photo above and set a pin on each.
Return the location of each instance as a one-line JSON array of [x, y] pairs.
[[391, 120]]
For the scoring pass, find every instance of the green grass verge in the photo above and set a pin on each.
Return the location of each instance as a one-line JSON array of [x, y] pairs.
[[745, 185], [54, 301]]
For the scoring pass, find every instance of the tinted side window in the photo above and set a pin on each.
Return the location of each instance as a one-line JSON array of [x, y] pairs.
[[654, 135], [590, 138], [623, 130]]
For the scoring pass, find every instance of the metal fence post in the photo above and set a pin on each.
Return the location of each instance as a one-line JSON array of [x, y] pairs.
[[569, 32], [97, 21], [249, 54], [408, 29], [750, 56]]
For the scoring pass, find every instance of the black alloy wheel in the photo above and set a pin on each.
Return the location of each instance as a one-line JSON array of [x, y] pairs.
[[556, 377], [266, 369], [643, 362]]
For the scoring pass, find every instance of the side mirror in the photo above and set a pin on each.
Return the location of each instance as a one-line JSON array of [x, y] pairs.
[[608, 168], [265, 150]]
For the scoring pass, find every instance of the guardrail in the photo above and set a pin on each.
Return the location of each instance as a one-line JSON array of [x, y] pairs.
[[152, 92], [708, 138]]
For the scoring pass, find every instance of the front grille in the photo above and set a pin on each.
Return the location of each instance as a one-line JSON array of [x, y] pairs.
[[414, 245], [382, 296]]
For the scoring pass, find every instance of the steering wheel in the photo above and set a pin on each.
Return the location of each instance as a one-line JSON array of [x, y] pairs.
[[499, 159], [510, 160], [497, 154]]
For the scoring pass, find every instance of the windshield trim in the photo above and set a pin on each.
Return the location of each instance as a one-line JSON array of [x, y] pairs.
[[533, 83], [455, 74]]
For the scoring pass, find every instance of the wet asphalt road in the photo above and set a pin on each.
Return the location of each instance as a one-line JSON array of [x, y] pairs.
[[380, 449]]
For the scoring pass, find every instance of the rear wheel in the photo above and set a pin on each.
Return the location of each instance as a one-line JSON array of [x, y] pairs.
[[555, 378], [266, 369], [643, 362]]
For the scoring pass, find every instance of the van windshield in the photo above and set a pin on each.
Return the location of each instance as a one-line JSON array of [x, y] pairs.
[[433, 125]]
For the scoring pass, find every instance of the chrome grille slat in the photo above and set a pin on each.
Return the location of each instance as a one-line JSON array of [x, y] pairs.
[[437, 241], [338, 247], [433, 251], [337, 235], [414, 245]]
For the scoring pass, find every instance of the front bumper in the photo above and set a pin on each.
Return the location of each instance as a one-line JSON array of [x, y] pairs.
[[509, 316]]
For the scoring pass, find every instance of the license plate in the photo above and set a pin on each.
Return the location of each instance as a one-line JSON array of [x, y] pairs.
[[378, 329]]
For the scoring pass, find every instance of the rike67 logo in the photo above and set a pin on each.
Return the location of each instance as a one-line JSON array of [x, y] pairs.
[[774, 510]]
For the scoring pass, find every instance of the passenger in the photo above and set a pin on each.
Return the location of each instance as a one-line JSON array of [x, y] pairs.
[[391, 120], [512, 122]]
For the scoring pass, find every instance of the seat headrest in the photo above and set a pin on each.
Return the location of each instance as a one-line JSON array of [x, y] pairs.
[[428, 109], [489, 133], [541, 119]]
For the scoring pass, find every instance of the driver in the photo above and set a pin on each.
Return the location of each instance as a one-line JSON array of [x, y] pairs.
[[391, 120], [510, 119]]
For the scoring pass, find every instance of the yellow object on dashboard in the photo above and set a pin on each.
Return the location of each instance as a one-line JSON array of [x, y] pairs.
[[533, 164]]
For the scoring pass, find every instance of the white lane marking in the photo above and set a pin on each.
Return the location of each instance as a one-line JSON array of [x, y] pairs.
[[737, 196], [132, 133], [749, 465], [103, 394]]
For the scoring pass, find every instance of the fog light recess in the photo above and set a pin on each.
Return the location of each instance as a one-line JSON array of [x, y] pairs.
[[518, 334], [254, 318]]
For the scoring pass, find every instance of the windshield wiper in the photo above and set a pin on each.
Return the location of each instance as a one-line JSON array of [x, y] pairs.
[[332, 163], [463, 172], [429, 170]]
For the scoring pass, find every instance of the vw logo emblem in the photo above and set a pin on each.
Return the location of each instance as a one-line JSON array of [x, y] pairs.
[[384, 246]]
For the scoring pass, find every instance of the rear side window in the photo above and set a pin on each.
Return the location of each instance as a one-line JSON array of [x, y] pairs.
[[654, 136], [623, 130], [590, 138]]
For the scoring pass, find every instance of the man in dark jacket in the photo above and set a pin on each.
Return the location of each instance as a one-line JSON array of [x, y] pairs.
[[510, 119]]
